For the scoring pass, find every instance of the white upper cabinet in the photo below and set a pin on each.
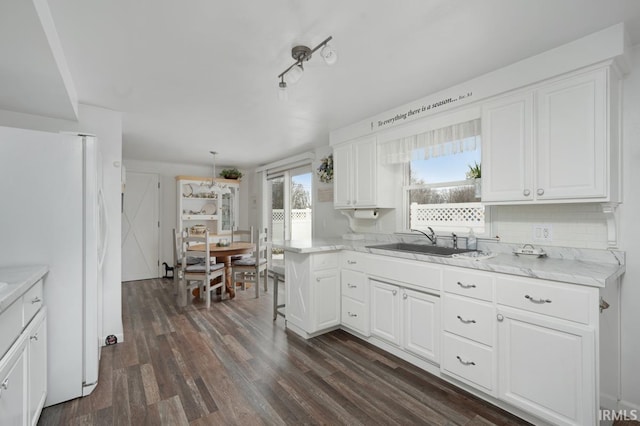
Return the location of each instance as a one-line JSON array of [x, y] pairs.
[[507, 134], [552, 143], [359, 180], [572, 138]]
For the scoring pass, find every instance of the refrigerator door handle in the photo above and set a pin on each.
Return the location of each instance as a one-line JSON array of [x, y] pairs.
[[104, 230]]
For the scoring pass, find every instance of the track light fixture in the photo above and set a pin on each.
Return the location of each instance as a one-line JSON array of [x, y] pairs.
[[302, 54]]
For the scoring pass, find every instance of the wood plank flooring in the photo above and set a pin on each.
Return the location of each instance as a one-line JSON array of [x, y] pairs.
[[232, 365]]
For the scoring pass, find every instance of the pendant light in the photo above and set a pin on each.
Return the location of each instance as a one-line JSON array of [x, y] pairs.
[[218, 187]]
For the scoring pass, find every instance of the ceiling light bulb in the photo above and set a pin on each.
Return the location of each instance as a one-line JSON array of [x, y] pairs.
[[282, 90], [329, 55], [294, 74]]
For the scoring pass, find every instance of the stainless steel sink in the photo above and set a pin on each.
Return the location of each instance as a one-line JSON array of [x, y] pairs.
[[421, 248]]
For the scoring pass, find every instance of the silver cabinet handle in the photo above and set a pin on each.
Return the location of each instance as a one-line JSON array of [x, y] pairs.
[[540, 191], [464, 321], [539, 301], [34, 337], [394, 292], [526, 192], [500, 317], [465, 362], [352, 314], [349, 285], [404, 295], [351, 262], [36, 300], [466, 285]]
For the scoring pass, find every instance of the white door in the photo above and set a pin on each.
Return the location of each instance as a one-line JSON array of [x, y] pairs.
[[326, 287], [385, 311], [572, 138], [421, 324], [507, 156], [140, 227], [342, 172], [364, 174], [547, 367]]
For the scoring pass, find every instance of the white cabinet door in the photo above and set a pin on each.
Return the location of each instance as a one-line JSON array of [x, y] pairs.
[[298, 295], [13, 382], [342, 175], [326, 299], [507, 156], [37, 368], [365, 163], [421, 324], [572, 138], [385, 311], [547, 367]]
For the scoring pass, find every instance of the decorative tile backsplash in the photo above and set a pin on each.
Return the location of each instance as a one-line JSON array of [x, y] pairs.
[[574, 225]]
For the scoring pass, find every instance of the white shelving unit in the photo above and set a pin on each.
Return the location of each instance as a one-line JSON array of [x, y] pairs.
[[199, 204]]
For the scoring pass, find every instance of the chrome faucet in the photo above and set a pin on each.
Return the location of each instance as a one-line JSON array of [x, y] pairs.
[[432, 237], [454, 237]]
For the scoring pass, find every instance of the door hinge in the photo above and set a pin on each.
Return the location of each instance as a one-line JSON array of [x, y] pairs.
[[158, 224], [158, 185], [159, 262]]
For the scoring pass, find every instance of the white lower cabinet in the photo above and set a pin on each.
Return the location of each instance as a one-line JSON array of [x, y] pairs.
[[406, 318], [37, 367], [312, 292], [547, 367], [13, 386]]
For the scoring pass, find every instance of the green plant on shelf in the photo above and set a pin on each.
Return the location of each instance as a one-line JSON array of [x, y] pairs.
[[233, 173]]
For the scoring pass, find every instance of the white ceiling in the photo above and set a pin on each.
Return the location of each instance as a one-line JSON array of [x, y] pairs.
[[196, 75]]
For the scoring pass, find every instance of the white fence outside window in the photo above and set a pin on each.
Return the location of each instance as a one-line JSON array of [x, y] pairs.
[[449, 216], [300, 223]]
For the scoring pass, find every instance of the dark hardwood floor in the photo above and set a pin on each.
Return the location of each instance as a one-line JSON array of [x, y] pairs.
[[231, 364]]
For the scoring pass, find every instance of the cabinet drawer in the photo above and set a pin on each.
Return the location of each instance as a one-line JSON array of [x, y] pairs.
[[468, 360], [10, 326], [32, 302], [325, 260], [469, 318], [354, 285], [13, 378], [545, 297], [468, 283], [355, 315], [352, 260]]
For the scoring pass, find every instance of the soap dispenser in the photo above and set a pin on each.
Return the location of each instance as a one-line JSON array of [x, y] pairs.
[[472, 242]]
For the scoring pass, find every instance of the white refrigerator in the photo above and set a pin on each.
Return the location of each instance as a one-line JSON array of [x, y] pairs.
[[52, 212]]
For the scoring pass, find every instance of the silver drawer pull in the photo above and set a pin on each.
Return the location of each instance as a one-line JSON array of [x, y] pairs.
[[539, 301], [465, 362], [466, 285], [34, 337], [464, 321], [405, 295], [5, 384], [352, 314], [394, 292], [351, 285], [351, 262], [36, 300]]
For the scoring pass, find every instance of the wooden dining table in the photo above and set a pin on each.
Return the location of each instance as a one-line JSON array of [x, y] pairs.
[[223, 254]]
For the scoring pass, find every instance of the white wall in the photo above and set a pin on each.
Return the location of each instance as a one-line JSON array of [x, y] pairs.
[[167, 173], [107, 126], [629, 235]]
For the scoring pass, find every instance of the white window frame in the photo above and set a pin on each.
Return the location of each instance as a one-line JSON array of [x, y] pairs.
[[439, 227]]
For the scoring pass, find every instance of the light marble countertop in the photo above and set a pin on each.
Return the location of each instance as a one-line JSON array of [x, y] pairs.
[[18, 279], [597, 268]]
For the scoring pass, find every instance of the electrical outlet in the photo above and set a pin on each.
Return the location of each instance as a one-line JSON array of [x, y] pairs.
[[542, 232]]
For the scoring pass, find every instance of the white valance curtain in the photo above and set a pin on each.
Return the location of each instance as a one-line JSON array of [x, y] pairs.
[[437, 142]]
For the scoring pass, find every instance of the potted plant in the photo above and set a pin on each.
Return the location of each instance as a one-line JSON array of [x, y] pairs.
[[475, 173], [233, 173]]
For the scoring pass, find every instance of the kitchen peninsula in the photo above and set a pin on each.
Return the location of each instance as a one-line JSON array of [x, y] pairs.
[[488, 324]]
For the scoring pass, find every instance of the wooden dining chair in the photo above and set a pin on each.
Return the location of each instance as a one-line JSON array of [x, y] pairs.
[[201, 274], [242, 235], [249, 270]]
